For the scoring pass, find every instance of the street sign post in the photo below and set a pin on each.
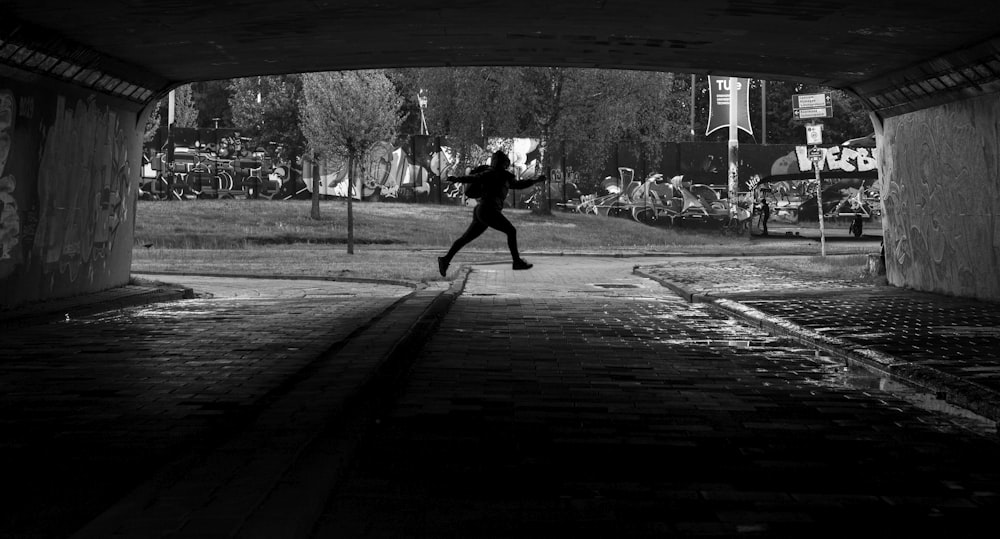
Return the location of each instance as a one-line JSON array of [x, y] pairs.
[[815, 106], [806, 106], [819, 206]]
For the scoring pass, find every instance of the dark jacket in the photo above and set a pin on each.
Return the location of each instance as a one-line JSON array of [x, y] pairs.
[[496, 184]]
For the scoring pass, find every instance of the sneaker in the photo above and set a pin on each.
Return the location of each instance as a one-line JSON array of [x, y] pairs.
[[522, 264], [442, 265]]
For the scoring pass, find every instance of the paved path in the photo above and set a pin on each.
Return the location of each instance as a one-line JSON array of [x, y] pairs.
[[949, 345], [582, 400], [585, 397], [93, 403]]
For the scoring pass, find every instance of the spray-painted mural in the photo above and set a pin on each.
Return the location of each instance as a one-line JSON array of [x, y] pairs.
[[411, 172], [382, 173], [10, 220], [83, 182], [941, 197], [386, 171], [67, 192]]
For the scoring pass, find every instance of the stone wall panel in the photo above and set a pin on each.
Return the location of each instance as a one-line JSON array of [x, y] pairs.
[[69, 171], [941, 194]]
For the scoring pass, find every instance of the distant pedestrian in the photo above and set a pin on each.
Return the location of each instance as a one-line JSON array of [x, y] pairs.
[[765, 214], [857, 224], [493, 183]]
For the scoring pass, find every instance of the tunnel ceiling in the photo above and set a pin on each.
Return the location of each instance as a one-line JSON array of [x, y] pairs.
[[876, 48]]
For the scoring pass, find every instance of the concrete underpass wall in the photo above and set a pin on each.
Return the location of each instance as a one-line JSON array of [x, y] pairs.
[[941, 194], [69, 169]]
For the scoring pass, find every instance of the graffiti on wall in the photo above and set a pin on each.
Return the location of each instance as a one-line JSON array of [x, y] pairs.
[[10, 221], [386, 169], [941, 197], [842, 158], [382, 172], [83, 187]]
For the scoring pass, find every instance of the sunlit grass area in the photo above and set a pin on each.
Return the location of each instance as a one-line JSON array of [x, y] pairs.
[[238, 224], [396, 241]]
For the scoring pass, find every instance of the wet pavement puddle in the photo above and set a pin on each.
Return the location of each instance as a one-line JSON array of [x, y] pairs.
[[855, 377]]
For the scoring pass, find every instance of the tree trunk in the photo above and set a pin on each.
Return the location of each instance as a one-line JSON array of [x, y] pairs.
[[315, 190], [543, 206], [350, 205]]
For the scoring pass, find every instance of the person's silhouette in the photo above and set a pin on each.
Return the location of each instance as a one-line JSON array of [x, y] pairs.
[[765, 214], [495, 181]]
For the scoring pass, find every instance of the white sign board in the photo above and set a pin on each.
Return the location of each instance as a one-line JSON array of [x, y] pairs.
[[805, 114], [805, 106], [809, 101], [814, 134]]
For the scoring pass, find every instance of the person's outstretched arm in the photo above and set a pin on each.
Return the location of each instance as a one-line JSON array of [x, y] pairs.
[[470, 178]]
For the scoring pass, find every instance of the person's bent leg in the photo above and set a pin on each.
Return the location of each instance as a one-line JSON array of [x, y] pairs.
[[497, 221], [476, 228]]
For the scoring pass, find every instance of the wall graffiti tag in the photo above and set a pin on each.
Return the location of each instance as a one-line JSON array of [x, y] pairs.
[[10, 221], [83, 184], [843, 158]]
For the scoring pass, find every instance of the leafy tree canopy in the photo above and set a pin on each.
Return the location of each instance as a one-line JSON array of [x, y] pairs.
[[268, 109], [345, 113]]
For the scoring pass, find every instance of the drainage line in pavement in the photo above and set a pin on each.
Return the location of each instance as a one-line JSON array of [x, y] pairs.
[[328, 456]]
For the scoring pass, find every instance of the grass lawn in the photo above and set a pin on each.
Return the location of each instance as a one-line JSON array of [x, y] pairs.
[[400, 241]]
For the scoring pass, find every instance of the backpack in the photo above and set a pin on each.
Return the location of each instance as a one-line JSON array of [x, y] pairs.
[[474, 190]]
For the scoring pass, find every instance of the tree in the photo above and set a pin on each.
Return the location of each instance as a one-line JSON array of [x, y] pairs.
[[212, 98], [594, 108], [185, 111], [152, 124], [343, 115], [268, 109], [590, 109], [468, 104]]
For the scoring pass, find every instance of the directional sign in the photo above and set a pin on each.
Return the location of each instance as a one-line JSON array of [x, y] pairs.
[[805, 114], [805, 106], [810, 101]]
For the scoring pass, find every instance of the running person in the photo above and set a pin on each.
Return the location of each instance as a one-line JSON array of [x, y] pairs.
[[495, 183]]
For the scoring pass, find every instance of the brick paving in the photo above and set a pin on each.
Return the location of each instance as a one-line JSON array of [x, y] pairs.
[[949, 345], [582, 400], [94, 403]]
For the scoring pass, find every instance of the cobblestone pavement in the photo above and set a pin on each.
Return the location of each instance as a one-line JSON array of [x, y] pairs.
[[949, 345], [581, 399], [92, 404], [585, 397]]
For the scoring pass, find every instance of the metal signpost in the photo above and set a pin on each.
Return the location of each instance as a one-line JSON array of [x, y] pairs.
[[816, 155], [734, 150], [729, 106], [814, 106]]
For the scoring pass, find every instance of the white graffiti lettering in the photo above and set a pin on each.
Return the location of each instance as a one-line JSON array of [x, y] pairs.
[[845, 158]]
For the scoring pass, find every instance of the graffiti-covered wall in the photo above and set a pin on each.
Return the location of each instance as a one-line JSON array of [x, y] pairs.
[[941, 193], [68, 167]]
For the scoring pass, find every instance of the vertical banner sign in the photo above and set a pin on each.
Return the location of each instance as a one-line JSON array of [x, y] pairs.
[[718, 101], [170, 108], [734, 147]]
